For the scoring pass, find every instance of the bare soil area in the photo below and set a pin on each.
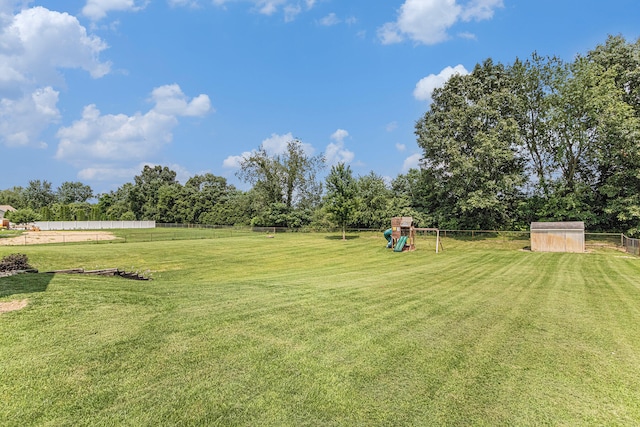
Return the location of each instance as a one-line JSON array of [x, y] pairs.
[[41, 237], [6, 307]]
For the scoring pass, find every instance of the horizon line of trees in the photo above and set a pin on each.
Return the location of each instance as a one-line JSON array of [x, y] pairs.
[[505, 145]]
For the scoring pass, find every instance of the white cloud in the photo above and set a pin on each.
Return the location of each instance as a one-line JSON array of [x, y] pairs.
[[25, 118], [187, 3], [291, 11], [424, 88], [268, 7], [427, 21], [41, 41], [277, 144], [330, 20], [339, 135], [411, 162], [479, 10], [336, 152], [290, 8], [35, 44], [110, 172], [170, 100], [233, 162], [401, 147], [390, 127], [98, 9], [97, 137]]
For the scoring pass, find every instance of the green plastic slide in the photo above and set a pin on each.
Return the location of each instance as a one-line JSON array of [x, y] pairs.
[[401, 242]]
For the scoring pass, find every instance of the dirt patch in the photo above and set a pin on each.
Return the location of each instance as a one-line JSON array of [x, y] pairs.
[[6, 307], [43, 237]]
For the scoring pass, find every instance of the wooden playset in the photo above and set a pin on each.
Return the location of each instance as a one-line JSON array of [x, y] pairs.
[[402, 234]]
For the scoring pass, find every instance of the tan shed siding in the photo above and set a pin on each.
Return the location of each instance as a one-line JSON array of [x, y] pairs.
[[551, 237]]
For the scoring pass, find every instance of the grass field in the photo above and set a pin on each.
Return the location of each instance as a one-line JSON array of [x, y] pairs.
[[305, 329]]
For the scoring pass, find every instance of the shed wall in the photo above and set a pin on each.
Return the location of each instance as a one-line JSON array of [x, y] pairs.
[[557, 241]]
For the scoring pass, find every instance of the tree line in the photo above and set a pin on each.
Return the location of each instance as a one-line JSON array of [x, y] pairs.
[[507, 144]]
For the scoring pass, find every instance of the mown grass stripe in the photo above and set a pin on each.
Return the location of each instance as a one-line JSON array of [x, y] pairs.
[[307, 329]]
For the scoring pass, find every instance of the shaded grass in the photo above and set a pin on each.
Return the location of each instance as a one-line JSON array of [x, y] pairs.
[[307, 330]]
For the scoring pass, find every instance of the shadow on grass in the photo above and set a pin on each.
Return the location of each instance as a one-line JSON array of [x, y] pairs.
[[352, 237], [25, 283]]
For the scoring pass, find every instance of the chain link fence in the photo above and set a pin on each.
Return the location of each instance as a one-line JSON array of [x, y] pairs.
[[515, 239], [630, 245]]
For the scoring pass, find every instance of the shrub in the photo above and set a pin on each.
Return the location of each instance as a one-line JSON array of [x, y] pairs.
[[14, 262]]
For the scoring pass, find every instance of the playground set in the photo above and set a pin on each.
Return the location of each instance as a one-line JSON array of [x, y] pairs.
[[402, 234]]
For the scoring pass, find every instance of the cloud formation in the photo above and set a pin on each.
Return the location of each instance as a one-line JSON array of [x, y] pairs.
[[96, 140], [424, 88], [290, 8], [411, 162], [35, 44], [98, 9], [336, 152], [428, 21]]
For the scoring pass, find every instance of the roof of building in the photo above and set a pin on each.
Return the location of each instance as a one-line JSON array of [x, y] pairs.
[[562, 225]]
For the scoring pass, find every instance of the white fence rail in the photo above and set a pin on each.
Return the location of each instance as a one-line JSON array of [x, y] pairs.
[[92, 225]]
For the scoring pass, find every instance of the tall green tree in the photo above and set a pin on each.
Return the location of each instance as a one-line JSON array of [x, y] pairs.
[[38, 194], [468, 139], [341, 197], [616, 105], [204, 194], [13, 197], [374, 198], [114, 204], [285, 184], [73, 192], [145, 193]]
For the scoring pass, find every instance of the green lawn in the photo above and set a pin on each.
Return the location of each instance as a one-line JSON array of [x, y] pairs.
[[305, 329]]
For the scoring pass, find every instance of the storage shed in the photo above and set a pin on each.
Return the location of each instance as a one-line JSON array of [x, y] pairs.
[[557, 236]]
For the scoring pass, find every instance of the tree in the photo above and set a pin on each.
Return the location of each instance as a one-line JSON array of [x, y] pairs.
[[13, 197], [204, 194], [23, 216], [341, 197], [287, 179], [374, 197], [531, 82], [114, 204], [38, 194], [417, 194], [616, 105], [145, 192], [73, 192], [468, 141]]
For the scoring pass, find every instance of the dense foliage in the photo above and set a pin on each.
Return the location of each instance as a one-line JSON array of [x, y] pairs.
[[539, 139]]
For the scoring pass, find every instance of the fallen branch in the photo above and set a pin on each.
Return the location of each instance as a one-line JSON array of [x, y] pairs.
[[102, 272]]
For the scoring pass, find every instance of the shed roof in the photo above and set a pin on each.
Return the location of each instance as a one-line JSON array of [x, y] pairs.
[[563, 225]]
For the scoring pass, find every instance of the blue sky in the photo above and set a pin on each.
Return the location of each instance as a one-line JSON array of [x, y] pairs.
[[92, 90]]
